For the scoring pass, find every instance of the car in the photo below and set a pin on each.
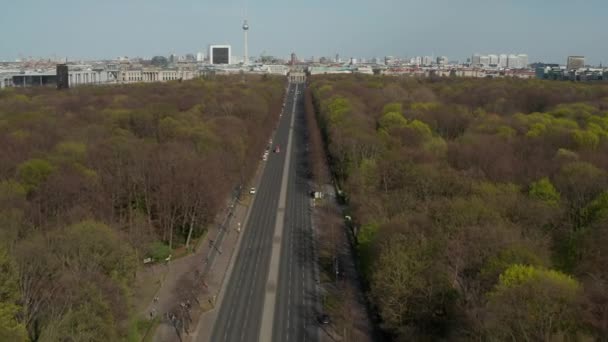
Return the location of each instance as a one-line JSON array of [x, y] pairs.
[[324, 319], [252, 191], [277, 149]]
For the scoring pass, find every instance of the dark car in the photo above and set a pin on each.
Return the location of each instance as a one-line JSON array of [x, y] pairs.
[[324, 319]]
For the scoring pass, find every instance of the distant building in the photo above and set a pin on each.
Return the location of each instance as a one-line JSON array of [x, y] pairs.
[[6, 80], [220, 54], [476, 60], [513, 62], [442, 60], [523, 61], [294, 59], [575, 62], [484, 60], [276, 69], [502, 60], [62, 76], [493, 60], [427, 61], [200, 57]]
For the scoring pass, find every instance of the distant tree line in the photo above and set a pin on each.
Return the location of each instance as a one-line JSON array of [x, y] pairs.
[[480, 207], [95, 179]]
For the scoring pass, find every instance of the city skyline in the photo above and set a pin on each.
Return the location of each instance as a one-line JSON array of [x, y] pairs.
[[546, 31]]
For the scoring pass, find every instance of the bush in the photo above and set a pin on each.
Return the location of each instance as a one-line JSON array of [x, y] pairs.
[[159, 251]]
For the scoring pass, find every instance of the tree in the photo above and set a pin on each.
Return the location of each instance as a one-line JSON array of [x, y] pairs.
[[543, 190], [33, 172], [10, 328], [410, 288], [533, 304], [12, 206], [580, 182]]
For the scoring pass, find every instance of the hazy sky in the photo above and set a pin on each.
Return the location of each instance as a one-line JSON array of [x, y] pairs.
[[547, 30]]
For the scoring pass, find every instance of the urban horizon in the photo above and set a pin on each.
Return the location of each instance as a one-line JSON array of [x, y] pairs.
[[408, 29]]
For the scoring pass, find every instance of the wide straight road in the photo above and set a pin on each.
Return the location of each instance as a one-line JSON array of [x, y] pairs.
[[297, 304], [271, 294]]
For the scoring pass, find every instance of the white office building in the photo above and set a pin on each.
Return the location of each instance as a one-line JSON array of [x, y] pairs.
[[484, 60], [502, 60], [523, 61], [513, 62], [493, 59], [200, 57]]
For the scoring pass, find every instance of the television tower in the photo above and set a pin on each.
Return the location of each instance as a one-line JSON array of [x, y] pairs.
[[245, 30]]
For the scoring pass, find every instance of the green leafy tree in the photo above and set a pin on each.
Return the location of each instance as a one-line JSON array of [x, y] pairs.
[[533, 304], [337, 108], [10, 328], [411, 289], [395, 107], [365, 240], [392, 120], [597, 210], [586, 139], [543, 190], [89, 319], [33, 172]]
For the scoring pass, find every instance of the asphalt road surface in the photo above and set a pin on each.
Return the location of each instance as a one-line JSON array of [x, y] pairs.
[[272, 292]]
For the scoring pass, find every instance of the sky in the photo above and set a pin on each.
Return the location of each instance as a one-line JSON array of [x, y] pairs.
[[547, 30]]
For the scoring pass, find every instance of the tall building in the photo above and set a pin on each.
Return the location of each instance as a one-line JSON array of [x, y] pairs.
[[523, 61], [219, 54], [513, 62], [575, 62], [200, 57], [484, 60], [493, 59], [476, 60], [442, 60], [502, 60], [62, 76], [294, 59], [427, 60]]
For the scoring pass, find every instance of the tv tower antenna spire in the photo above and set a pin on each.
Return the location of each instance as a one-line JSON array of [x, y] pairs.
[[245, 32]]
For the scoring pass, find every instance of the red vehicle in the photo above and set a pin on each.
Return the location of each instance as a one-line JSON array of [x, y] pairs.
[[277, 149]]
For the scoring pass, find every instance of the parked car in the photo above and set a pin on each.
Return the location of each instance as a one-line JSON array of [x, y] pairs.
[[324, 319], [277, 149], [252, 191]]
